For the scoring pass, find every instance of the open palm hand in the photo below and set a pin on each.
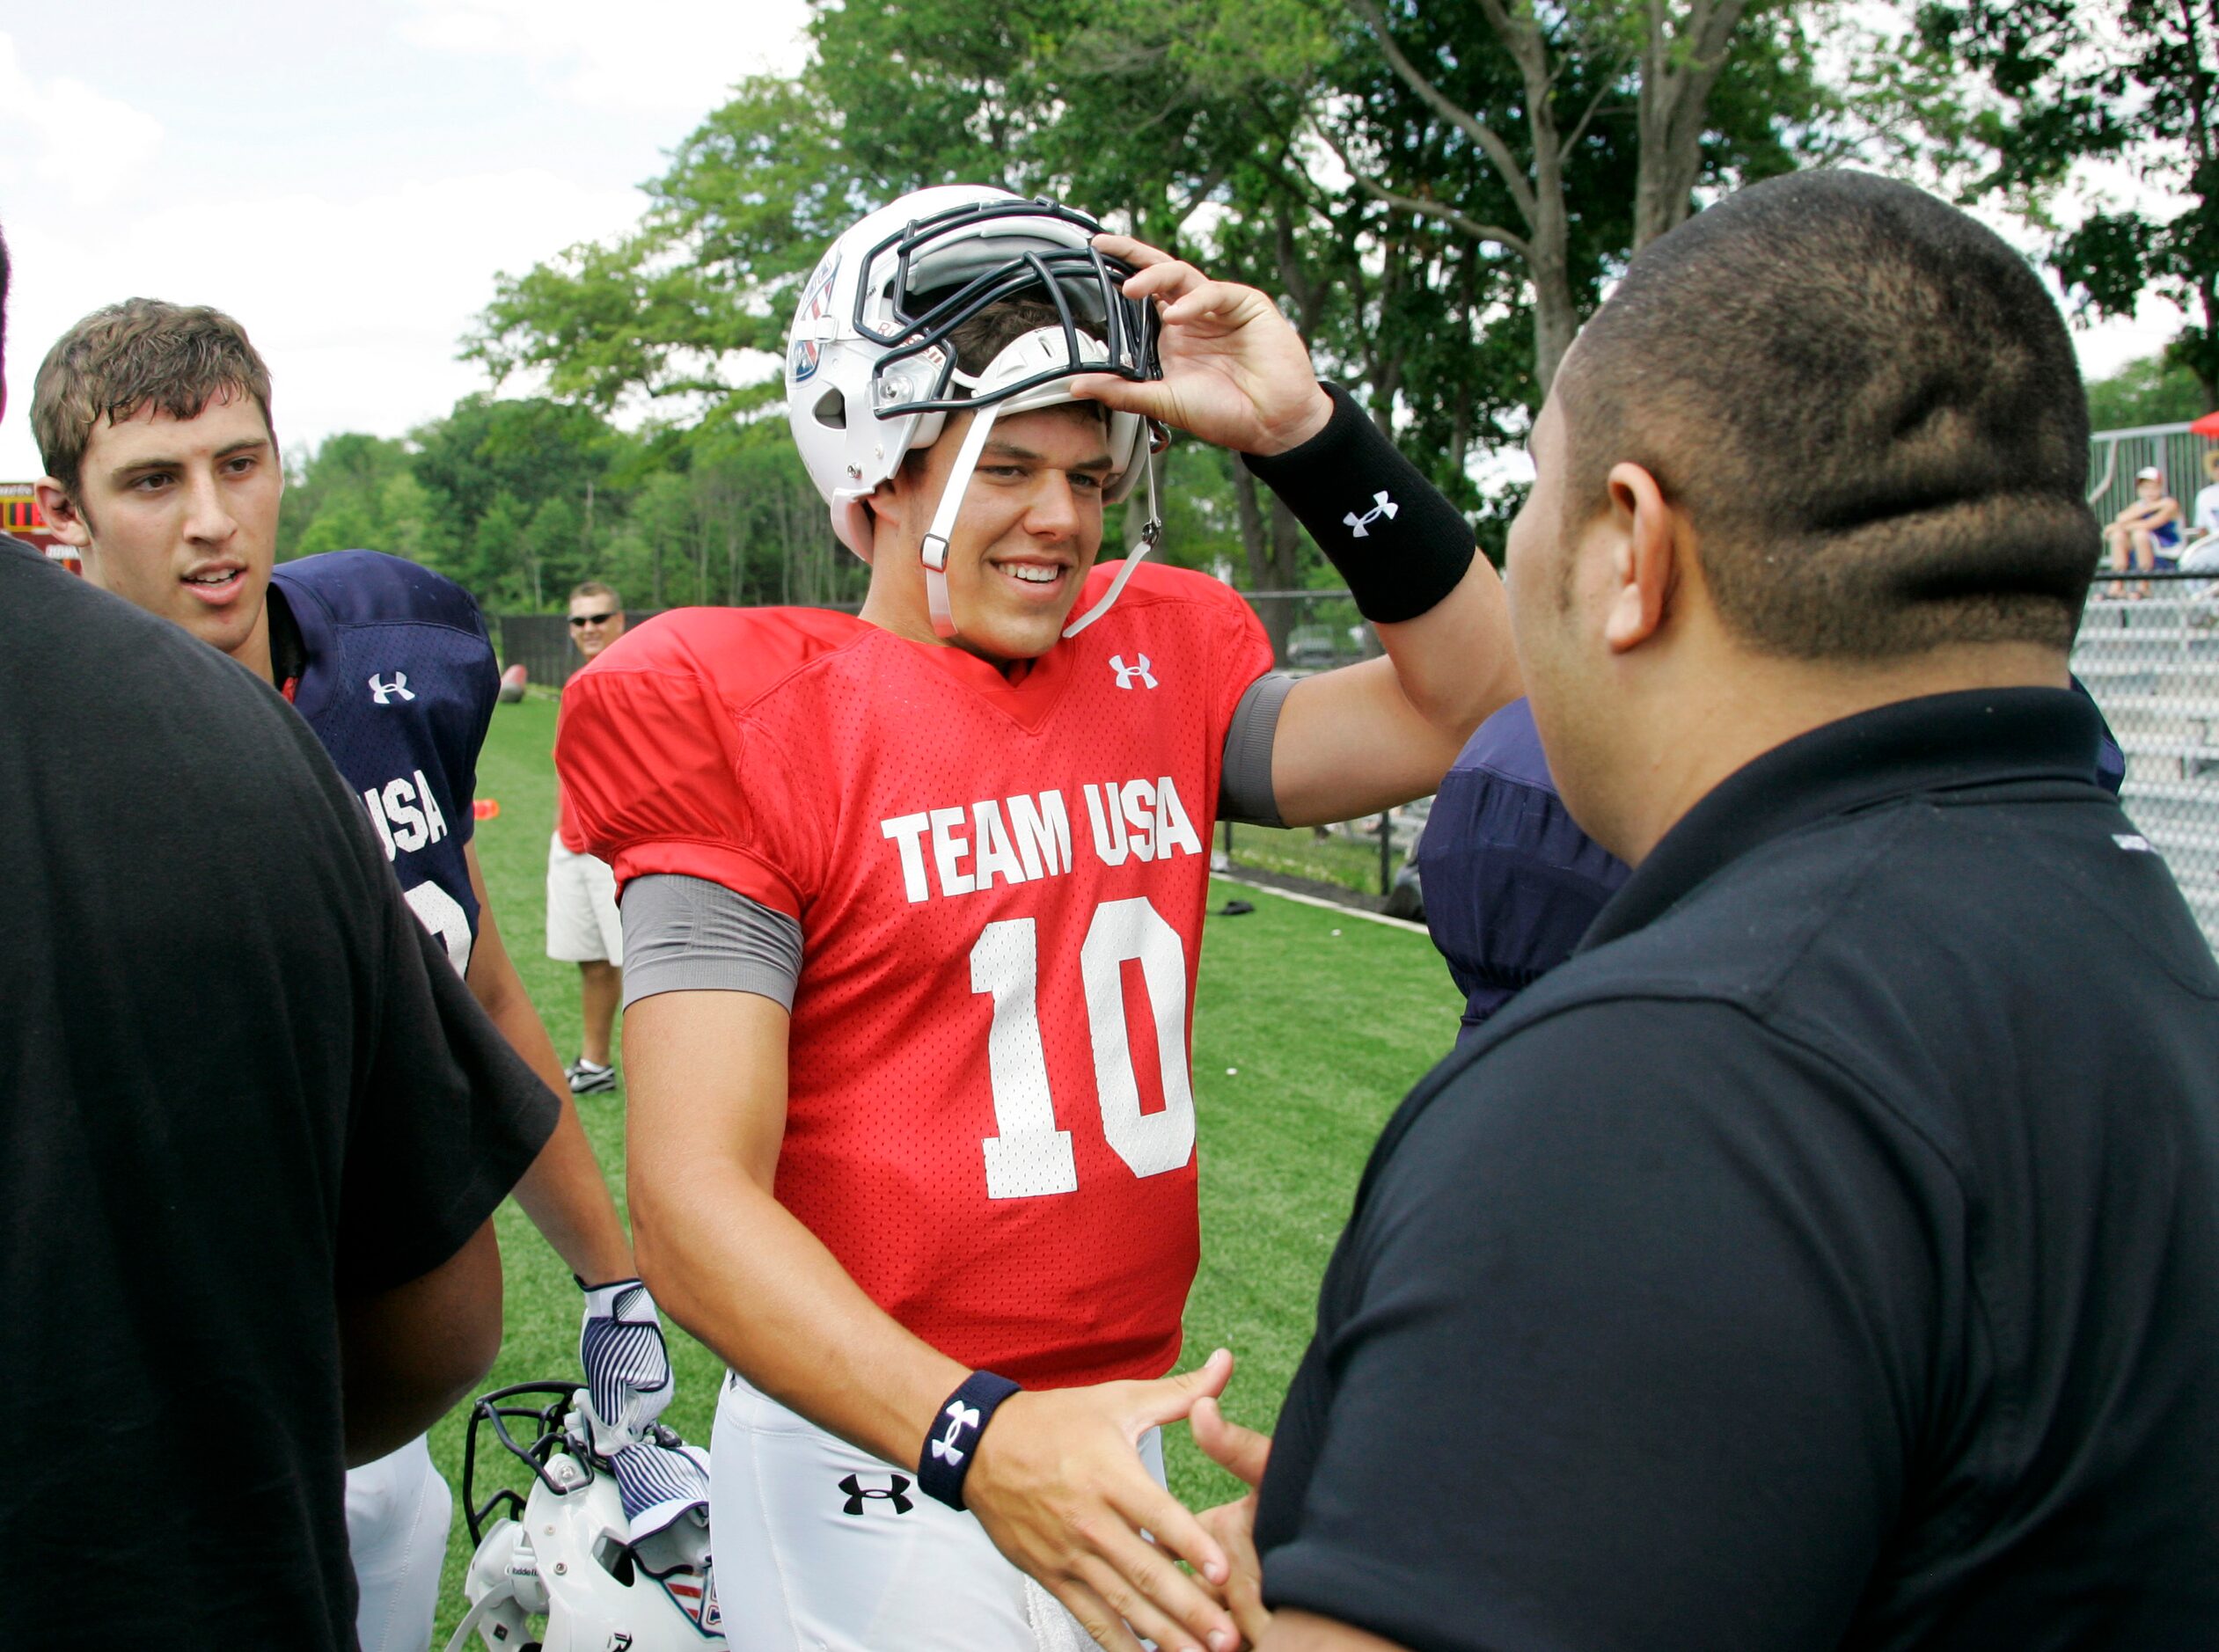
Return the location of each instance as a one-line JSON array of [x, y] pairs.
[[1235, 373]]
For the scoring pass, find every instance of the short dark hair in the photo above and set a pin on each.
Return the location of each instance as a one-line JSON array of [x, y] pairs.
[[978, 339], [1869, 407], [140, 353]]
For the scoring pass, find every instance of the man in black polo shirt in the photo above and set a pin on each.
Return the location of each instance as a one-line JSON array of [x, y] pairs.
[[253, 1130], [1828, 1255]]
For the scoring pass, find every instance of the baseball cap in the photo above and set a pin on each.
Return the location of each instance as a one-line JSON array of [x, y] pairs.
[[2150, 473]]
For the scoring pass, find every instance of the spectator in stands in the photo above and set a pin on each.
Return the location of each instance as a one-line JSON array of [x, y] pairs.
[[253, 1130], [583, 926], [1825, 1255], [2203, 520], [2146, 532]]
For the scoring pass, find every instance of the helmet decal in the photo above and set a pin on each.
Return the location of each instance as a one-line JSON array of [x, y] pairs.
[[817, 303]]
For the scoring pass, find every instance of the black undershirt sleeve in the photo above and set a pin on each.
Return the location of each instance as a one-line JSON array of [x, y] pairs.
[[1621, 1351]]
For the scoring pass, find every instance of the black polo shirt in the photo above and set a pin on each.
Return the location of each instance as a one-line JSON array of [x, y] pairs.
[[1826, 1256]]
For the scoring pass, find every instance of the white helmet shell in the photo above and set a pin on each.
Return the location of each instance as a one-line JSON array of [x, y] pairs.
[[568, 1557], [870, 374]]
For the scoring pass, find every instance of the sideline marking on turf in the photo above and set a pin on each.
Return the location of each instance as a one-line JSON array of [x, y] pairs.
[[1318, 899]]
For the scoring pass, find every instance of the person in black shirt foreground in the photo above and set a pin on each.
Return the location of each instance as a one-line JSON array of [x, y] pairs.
[[1827, 1254], [247, 1157]]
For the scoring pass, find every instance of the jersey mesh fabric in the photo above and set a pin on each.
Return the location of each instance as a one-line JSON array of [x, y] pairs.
[[778, 752], [399, 684]]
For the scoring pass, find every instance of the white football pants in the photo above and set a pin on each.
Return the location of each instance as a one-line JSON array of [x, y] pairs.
[[820, 1547], [397, 1511]]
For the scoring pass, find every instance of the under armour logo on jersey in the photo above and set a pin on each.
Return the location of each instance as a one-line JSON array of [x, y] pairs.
[[384, 692], [859, 1494], [1382, 506], [961, 1418], [1126, 673]]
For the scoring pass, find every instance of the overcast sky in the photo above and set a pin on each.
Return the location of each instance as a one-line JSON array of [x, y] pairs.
[[347, 179]]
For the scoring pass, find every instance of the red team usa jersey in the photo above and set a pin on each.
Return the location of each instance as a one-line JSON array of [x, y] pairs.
[[1000, 889]]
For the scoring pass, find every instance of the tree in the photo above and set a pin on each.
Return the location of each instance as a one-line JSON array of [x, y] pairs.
[[2135, 81], [2149, 392], [1536, 137]]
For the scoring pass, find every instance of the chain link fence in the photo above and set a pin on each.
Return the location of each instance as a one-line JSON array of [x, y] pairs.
[[2152, 663]]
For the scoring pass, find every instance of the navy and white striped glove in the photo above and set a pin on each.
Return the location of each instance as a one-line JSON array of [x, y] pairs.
[[660, 1483], [627, 1367]]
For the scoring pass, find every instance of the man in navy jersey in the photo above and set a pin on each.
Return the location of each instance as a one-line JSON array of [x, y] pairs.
[[153, 422]]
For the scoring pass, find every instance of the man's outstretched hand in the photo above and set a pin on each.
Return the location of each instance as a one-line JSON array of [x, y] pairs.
[[1235, 372], [1243, 1452], [1059, 1485]]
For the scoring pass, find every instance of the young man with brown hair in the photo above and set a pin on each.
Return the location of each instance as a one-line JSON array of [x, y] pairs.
[[911, 901], [153, 421], [583, 926], [253, 1134]]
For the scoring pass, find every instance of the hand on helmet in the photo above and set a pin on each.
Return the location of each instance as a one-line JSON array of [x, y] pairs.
[[1235, 373], [627, 1367]]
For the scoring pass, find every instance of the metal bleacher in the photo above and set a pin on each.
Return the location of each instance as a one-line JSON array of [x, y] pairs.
[[2153, 666]]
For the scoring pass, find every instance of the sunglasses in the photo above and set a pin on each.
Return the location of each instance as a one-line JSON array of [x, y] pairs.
[[591, 619]]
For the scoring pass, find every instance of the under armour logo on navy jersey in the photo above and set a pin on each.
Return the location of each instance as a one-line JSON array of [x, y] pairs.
[[859, 1494], [1382, 506], [962, 1420], [1126, 673], [384, 692]]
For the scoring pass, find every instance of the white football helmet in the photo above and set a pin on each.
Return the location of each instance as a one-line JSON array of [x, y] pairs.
[[562, 1551], [870, 372]]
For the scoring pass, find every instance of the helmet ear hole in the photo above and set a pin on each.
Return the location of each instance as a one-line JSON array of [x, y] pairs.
[[831, 409]]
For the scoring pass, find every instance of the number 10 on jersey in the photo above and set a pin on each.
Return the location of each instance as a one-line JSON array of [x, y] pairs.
[[1028, 1154]]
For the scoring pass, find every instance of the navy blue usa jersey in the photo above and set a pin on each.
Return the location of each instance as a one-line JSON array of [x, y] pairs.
[[394, 672]]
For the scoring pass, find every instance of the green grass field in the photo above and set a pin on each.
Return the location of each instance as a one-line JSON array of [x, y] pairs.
[[1309, 1026]]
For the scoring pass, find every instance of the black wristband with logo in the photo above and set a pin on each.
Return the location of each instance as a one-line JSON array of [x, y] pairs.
[[946, 1458], [1400, 544]]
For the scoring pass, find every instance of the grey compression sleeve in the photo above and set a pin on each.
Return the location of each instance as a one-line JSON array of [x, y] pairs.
[[686, 935], [1244, 787]]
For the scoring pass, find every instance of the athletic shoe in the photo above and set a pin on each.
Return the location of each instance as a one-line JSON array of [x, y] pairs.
[[586, 1076]]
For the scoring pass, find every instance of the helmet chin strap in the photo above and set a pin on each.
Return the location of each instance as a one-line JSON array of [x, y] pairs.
[[1151, 532], [944, 513], [951, 503]]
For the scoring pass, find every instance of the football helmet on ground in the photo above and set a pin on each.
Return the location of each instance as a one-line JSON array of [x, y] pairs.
[[871, 368], [562, 1548]]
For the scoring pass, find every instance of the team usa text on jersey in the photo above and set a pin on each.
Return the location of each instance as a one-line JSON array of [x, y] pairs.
[[1025, 837]]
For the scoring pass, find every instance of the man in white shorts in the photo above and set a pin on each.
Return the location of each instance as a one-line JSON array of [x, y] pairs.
[[582, 925]]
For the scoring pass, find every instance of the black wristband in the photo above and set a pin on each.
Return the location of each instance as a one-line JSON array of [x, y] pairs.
[[946, 1458], [1398, 543]]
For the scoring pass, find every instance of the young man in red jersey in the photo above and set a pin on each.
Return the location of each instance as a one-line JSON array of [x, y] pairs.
[[911, 901]]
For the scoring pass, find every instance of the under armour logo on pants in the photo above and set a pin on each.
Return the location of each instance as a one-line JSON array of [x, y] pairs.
[[858, 1494]]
